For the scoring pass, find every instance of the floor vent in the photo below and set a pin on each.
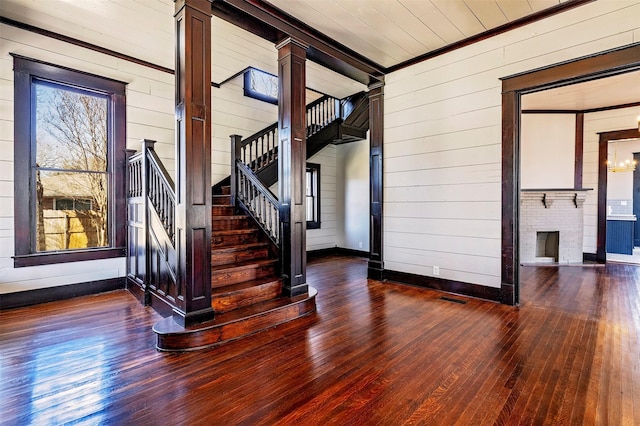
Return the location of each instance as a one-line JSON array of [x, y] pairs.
[[450, 299]]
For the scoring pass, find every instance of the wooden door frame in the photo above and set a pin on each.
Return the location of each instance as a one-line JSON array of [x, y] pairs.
[[604, 64], [603, 147]]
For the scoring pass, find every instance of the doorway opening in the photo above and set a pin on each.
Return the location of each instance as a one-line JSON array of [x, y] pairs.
[[599, 66]]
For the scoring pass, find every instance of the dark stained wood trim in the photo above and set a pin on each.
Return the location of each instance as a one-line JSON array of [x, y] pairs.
[[603, 145], [612, 107], [193, 161], [584, 111], [81, 43], [292, 154], [270, 23], [466, 289], [66, 257], [589, 257], [25, 69], [376, 181], [603, 64], [510, 269], [336, 251], [562, 7], [158, 304], [601, 246], [549, 111], [51, 294], [579, 151]]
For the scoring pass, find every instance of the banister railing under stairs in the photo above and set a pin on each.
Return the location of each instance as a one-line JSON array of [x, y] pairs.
[[258, 201], [151, 202]]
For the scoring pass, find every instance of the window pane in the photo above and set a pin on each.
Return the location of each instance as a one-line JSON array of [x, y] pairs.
[[310, 209], [309, 186], [263, 83], [71, 129], [71, 210]]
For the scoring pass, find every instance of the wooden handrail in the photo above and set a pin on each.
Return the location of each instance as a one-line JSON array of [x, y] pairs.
[[261, 149], [258, 201], [161, 193], [151, 254]]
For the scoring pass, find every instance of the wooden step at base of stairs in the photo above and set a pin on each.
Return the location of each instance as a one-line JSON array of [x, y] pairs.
[[243, 271], [235, 296], [239, 253], [233, 325]]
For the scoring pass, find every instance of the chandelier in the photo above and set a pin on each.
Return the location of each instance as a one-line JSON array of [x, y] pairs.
[[616, 166]]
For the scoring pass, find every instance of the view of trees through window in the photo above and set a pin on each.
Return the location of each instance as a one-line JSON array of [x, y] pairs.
[[70, 168], [261, 85]]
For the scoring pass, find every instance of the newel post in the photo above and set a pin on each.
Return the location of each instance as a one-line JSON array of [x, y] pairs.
[[236, 140], [292, 157], [193, 161]]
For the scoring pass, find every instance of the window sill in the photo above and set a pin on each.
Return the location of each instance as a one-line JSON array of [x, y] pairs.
[[51, 258]]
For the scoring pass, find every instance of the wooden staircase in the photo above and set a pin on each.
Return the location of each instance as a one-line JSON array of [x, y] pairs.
[[246, 287]]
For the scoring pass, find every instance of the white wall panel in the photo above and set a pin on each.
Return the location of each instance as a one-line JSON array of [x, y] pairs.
[[442, 135], [547, 150], [353, 195], [327, 235]]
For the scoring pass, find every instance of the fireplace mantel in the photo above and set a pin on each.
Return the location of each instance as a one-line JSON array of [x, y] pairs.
[[548, 195]]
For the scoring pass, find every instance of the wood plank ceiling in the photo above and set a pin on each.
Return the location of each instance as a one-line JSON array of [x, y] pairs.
[[390, 32]]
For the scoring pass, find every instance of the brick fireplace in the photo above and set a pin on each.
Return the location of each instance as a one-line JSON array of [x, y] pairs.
[[551, 225]]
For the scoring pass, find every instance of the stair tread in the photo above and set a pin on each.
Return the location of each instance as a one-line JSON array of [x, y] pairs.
[[229, 217], [231, 288], [259, 308], [241, 265], [235, 231], [238, 247]]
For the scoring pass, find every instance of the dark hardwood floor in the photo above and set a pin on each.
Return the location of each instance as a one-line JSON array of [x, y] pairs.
[[374, 353]]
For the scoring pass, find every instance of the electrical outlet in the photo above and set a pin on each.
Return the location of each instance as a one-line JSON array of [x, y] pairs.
[[360, 244], [436, 270]]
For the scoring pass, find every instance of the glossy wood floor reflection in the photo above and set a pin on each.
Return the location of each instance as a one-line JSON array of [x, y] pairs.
[[375, 353]]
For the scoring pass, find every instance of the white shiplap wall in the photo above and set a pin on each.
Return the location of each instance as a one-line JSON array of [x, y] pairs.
[[352, 176], [326, 236], [442, 135], [594, 123], [234, 113], [149, 115]]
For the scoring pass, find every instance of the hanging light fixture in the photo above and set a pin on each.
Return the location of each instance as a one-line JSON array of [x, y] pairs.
[[616, 166]]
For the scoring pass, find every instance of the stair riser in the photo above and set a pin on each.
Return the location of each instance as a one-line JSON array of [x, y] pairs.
[[232, 240], [221, 279], [222, 210], [229, 224], [226, 190], [218, 259], [246, 297], [221, 200]]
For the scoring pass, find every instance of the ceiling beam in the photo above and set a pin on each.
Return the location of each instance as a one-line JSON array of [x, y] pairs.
[[270, 23]]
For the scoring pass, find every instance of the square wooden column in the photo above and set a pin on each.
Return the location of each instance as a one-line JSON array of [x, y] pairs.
[[376, 137], [292, 159], [193, 160]]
